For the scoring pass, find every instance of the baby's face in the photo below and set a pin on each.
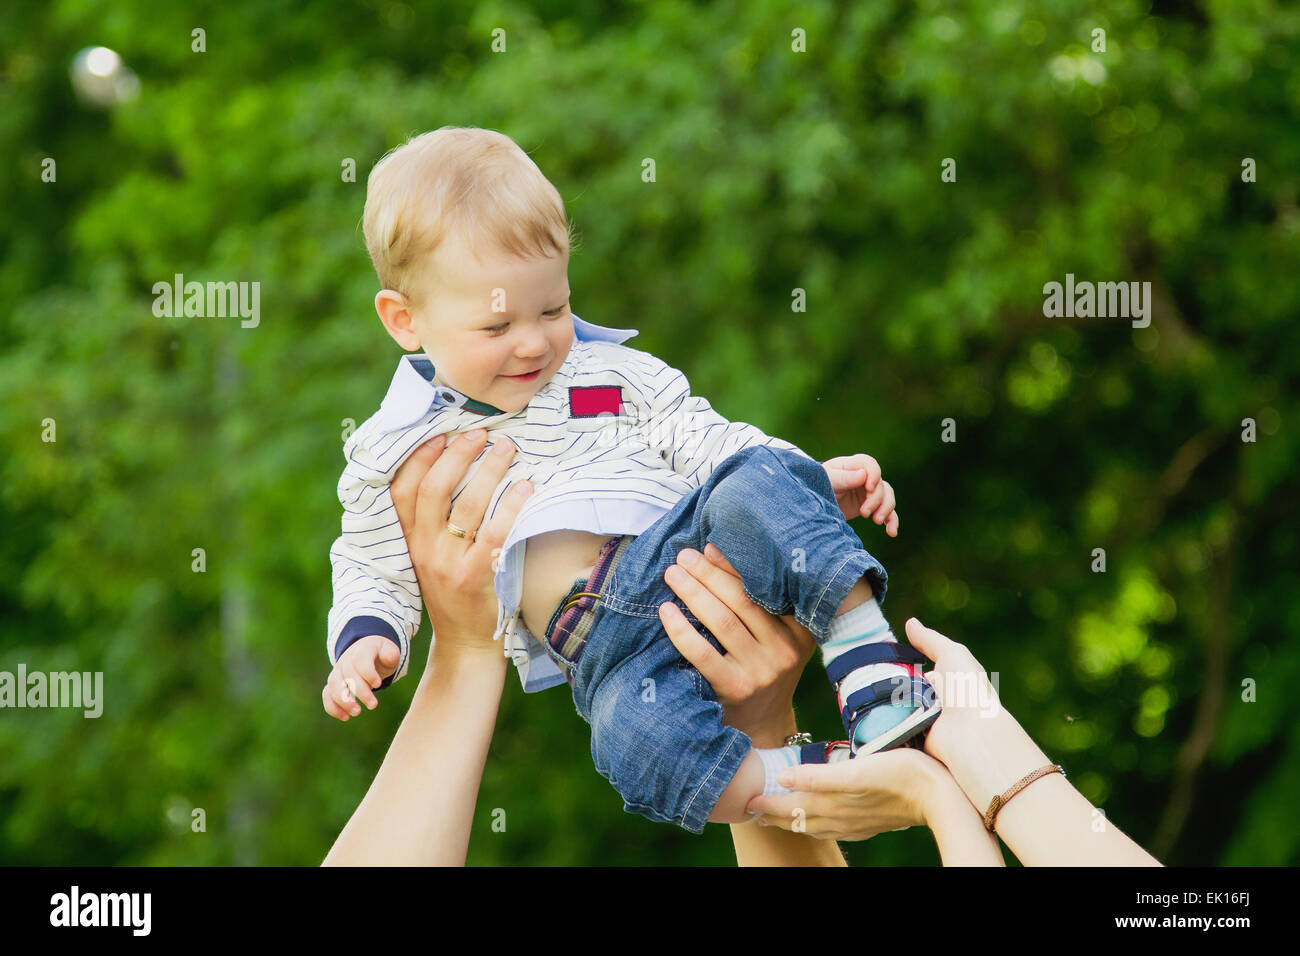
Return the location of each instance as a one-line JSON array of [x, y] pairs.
[[482, 352]]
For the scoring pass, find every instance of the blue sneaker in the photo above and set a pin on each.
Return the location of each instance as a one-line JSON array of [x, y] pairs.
[[890, 712]]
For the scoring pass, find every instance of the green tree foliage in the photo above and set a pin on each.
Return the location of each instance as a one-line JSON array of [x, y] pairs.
[[776, 170]]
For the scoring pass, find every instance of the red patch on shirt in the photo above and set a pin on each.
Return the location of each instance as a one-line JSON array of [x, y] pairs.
[[588, 401]]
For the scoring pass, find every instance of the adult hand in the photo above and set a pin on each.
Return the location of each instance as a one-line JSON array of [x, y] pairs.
[[420, 807], [456, 574], [859, 798], [756, 679], [980, 743], [986, 750]]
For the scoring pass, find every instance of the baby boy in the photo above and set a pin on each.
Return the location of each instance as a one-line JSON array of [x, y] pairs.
[[471, 245]]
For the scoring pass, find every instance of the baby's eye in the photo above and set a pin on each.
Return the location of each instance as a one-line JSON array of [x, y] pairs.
[[552, 313]]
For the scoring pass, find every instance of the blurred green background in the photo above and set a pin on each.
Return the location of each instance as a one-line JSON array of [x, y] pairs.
[[776, 170]]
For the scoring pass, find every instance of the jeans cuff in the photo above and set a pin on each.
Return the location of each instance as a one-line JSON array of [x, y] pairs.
[[850, 571], [706, 796]]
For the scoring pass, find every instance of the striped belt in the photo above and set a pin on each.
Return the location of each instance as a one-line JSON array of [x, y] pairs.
[[566, 634]]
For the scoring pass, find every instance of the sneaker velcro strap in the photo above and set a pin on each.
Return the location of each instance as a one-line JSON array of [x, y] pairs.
[[883, 691], [880, 652], [813, 753]]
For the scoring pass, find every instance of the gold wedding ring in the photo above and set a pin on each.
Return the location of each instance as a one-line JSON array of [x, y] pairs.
[[460, 532]]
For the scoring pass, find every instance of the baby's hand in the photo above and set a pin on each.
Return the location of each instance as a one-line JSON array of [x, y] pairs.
[[859, 490], [363, 666]]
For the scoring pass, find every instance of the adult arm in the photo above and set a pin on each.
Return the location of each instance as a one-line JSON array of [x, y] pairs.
[[983, 752], [754, 682], [1048, 823], [419, 808]]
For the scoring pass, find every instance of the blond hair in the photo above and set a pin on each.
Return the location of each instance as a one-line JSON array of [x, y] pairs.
[[476, 181]]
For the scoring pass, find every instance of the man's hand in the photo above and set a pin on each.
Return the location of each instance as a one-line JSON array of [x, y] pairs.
[[360, 670], [859, 490], [756, 678]]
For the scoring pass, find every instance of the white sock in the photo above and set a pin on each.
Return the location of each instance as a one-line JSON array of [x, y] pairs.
[[774, 761], [779, 758]]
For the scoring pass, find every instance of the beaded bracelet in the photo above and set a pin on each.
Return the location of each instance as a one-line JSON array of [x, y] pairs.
[[1000, 801]]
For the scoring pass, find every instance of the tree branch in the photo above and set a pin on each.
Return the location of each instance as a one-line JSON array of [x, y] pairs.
[[1205, 723]]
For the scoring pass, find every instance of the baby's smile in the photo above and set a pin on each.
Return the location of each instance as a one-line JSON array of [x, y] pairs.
[[526, 377]]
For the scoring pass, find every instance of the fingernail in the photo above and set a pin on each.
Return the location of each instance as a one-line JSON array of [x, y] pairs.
[[525, 487], [476, 434], [688, 558], [674, 573], [785, 778], [502, 448], [712, 552]]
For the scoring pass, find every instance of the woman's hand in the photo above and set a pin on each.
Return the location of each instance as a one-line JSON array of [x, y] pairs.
[[969, 736], [985, 749], [859, 798], [872, 793], [756, 679], [891, 790], [456, 574]]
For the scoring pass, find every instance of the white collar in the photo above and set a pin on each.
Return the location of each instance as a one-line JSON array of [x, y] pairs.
[[412, 393]]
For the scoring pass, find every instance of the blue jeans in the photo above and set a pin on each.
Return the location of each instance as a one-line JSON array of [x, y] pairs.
[[656, 725]]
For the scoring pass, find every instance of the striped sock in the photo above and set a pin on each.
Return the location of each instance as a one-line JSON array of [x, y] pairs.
[[778, 758], [865, 624], [774, 761]]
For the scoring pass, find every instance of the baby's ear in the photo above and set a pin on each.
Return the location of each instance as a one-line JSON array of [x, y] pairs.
[[395, 312]]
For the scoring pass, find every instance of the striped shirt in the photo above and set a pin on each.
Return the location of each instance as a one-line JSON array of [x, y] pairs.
[[610, 444]]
